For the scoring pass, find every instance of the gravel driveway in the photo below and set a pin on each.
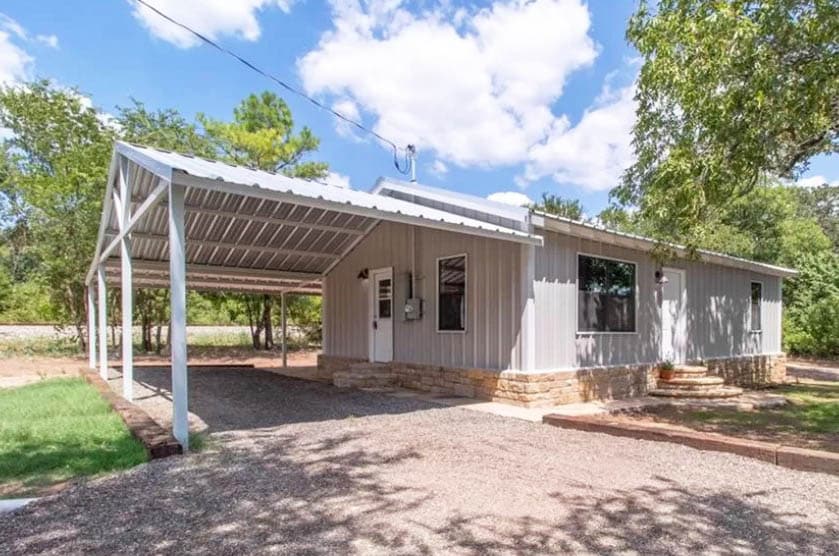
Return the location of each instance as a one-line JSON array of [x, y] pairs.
[[304, 467]]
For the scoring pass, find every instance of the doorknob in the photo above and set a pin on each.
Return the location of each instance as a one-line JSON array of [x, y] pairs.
[[375, 325]]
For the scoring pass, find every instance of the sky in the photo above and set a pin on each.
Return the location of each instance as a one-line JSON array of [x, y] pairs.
[[507, 99]]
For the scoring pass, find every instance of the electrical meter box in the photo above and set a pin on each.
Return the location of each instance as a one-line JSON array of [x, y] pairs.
[[413, 309]]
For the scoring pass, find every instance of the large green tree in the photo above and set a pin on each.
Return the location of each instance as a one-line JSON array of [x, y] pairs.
[[56, 161], [560, 206], [730, 92]]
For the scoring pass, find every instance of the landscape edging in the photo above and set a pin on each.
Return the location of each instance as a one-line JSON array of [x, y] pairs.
[[157, 441], [802, 459]]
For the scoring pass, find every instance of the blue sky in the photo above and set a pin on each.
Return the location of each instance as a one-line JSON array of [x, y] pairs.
[[519, 97]]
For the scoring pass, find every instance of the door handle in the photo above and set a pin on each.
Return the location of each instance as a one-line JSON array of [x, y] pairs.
[[375, 325]]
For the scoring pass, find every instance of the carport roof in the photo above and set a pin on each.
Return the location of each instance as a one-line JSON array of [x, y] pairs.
[[246, 229]]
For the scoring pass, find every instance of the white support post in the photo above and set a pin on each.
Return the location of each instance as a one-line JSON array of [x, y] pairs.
[[283, 312], [103, 322], [127, 292], [528, 316], [91, 327], [177, 277]]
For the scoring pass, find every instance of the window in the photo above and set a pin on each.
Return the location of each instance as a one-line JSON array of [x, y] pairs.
[[385, 299], [757, 295], [605, 295], [451, 294]]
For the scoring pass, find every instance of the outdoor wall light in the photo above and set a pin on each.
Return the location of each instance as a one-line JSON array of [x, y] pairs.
[[660, 278], [364, 274]]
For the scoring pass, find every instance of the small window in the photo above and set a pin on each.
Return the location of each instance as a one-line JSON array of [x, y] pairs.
[[757, 296], [605, 295], [385, 299], [451, 294]]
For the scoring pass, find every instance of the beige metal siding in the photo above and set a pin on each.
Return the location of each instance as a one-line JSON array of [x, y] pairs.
[[491, 339], [717, 308]]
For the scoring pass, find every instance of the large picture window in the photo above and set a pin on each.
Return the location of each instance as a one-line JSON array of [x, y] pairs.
[[605, 295], [757, 295], [451, 294]]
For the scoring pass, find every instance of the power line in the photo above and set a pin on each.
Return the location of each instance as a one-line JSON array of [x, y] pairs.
[[403, 169]]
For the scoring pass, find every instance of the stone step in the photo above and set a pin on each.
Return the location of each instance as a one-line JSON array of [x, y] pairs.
[[679, 382], [690, 369], [721, 392], [369, 366]]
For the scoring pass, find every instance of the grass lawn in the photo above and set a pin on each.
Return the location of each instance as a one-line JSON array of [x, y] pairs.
[[58, 429], [811, 420]]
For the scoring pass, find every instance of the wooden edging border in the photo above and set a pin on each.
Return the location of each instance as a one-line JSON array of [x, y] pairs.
[[791, 457], [158, 442]]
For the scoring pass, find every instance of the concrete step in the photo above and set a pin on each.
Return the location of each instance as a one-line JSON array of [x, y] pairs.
[[720, 392]]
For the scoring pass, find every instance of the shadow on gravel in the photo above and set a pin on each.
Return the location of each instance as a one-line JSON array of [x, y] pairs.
[[660, 518], [241, 399]]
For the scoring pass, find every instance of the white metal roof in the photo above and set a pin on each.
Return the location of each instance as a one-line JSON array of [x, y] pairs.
[[251, 230]]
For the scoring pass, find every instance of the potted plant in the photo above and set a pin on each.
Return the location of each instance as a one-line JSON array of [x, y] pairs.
[[665, 370]]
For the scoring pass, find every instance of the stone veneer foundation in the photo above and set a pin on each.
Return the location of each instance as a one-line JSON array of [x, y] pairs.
[[538, 388]]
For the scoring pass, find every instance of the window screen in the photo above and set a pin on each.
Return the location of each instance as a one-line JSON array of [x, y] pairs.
[[605, 295], [757, 295], [451, 294]]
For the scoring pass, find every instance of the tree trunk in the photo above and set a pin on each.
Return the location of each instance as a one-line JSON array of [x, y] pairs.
[[267, 304], [159, 347]]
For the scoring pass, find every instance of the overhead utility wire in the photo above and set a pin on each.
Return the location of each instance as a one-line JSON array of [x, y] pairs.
[[286, 86]]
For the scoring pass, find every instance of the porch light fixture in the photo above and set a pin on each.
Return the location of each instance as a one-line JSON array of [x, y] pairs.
[[364, 274], [660, 278]]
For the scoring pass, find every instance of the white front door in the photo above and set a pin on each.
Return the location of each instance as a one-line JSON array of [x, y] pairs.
[[673, 316], [381, 312]]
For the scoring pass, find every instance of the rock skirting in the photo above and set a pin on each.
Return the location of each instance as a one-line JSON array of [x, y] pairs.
[[534, 389]]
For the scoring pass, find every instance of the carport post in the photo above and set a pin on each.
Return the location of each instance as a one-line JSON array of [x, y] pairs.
[[177, 277], [91, 327], [283, 312], [127, 293], [103, 322]]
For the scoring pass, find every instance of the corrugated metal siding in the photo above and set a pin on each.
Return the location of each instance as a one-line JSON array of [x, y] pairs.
[[494, 311], [718, 309]]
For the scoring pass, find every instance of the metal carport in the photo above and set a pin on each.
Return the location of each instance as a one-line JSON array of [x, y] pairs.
[[227, 228]]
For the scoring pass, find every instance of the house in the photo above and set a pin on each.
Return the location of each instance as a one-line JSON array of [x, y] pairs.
[[426, 288], [586, 314]]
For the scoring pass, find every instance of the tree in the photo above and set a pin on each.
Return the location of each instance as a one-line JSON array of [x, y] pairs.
[[729, 92], [56, 165], [262, 136], [559, 206], [822, 203], [811, 316]]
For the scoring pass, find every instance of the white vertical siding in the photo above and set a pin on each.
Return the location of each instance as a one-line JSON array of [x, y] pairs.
[[491, 339]]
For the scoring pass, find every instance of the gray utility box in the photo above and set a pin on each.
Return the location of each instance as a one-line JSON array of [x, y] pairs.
[[413, 309]]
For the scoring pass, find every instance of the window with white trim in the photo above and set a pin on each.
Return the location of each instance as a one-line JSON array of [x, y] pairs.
[[756, 298], [605, 295], [451, 294]]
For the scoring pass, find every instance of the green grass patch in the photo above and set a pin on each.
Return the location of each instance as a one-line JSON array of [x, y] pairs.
[[56, 430], [811, 419]]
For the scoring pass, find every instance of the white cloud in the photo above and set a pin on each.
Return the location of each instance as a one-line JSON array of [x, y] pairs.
[[438, 168], [348, 109], [48, 40], [815, 181], [593, 153], [212, 18], [475, 87], [511, 198], [338, 180], [15, 63]]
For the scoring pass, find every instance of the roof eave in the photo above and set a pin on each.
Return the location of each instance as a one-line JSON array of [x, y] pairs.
[[640, 243]]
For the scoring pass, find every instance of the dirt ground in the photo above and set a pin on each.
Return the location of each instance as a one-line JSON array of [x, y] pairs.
[[18, 371]]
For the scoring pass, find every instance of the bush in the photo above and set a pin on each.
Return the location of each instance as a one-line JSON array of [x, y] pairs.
[[815, 331]]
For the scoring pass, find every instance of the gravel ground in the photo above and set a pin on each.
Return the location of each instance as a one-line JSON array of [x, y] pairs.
[[303, 467]]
